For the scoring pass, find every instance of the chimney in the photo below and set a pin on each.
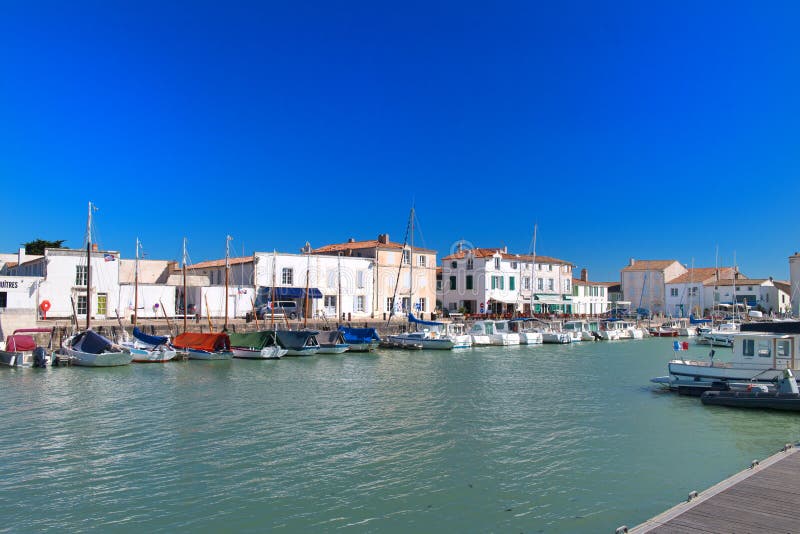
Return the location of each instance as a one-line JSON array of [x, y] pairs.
[[306, 248], [505, 249], [383, 238], [460, 247], [632, 263], [584, 275], [351, 240], [21, 256], [94, 247]]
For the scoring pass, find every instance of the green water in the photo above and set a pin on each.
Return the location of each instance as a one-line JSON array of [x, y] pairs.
[[522, 439]]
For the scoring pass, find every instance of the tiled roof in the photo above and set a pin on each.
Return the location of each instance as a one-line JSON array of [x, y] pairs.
[[701, 274], [649, 265], [359, 245], [220, 263], [739, 282], [476, 252], [579, 282], [481, 253], [786, 287]]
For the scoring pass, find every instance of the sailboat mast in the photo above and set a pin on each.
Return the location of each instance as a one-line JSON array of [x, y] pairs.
[[533, 268], [89, 268], [183, 269], [735, 304], [305, 306], [272, 293], [411, 260], [227, 271], [339, 288], [136, 284]]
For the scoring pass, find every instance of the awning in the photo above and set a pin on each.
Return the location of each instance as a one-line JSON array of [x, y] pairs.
[[506, 299], [548, 299], [294, 292]]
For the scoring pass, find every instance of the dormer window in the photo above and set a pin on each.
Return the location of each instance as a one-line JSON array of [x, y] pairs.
[[454, 264], [406, 257], [497, 263], [470, 264]]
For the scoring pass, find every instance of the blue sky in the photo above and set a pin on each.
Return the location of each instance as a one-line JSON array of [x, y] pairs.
[[654, 130]]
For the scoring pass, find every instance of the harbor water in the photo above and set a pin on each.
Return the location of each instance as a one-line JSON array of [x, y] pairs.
[[545, 438]]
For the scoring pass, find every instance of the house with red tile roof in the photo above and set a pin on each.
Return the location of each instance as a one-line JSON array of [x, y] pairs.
[[644, 283]]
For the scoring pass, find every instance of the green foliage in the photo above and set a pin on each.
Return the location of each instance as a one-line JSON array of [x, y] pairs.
[[37, 246]]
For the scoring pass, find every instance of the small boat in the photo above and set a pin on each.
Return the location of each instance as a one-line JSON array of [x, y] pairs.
[[90, 349], [21, 349], [331, 342], [298, 342], [787, 396], [360, 339], [481, 332], [261, 345], [387, 343], [722, 336], [664, 330], [149, 349], [432, 336], [528, 335], [457, 332], [197, 346]]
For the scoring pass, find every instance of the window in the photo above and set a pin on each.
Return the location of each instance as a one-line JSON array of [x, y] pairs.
[[360, 303], [514, 265], [454, 265], [575, 290], [287, 276], [497, 282], [360, 279], [452, 306], [438, 285], [470, 264], [526, 282], [673, 292], [602, 292], [332, 279], [421, 260], [405, 304], [566, 286], [748, 347], [102, 303], [469, 281], [3, 299], [406, 257], [764, 350], [452, 282], [540, 283], [330, 301], [539, 266], [81, 305], [550, 267], [81, 275], [497, 263], [389, 304], [420, 306], [783, 349], [550, 284], [511, 283]]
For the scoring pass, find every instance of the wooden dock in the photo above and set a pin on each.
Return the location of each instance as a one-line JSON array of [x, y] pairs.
[[764, 498]]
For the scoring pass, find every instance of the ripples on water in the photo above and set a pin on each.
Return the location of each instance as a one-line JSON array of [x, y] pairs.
[[534, 439]]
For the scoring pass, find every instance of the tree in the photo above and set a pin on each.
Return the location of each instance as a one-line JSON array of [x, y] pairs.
[[37, 246]]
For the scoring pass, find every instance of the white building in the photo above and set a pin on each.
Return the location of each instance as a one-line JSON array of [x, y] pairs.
[[589, 298], [491, 280], [644, 283], [686, 294], [760, 294]]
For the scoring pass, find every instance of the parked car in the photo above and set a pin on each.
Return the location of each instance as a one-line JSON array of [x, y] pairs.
[[283, 308]]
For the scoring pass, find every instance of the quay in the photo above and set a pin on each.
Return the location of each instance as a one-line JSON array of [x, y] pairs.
[[764, 498]]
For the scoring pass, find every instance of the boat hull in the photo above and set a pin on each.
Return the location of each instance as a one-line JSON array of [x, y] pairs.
[[429, 344], [333, 349], [749, 399], [305, 351], [556, 338], [104, 359], [694, 370], [266, 353], [152, 356], [363, 347], [202, 355]]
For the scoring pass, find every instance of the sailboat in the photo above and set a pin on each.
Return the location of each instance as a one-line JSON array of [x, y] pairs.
[[432, 334], [262, 345], [146, 348], [199, 346], [88, 348]]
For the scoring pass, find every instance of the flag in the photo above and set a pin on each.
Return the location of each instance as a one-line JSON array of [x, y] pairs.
[[680, 345], [109, 257]]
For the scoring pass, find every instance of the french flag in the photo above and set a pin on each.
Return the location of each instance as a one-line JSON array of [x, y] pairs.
[[680, 345], [109, 257]]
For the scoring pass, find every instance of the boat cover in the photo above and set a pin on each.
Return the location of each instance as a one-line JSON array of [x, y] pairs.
[[253, 340], [91, 342], [359, 335], [214, 342], [412, 319], [692, 320], [150, 340], [20, 343], [294, 339], [330, 337]]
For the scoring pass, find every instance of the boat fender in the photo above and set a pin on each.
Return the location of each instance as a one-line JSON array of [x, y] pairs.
[[754, 464], [692, 495]]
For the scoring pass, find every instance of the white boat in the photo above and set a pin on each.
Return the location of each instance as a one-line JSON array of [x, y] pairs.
[[262, 345], [90, 349], [149, 349], [331, 342], [756, 357], [580, 330], [298, 342], [528, 334], [721, 336], [554, 336], [457, 333], [211, 346], [504, 335], [481, 332], [20, 349], [609, 330], [429, 340]]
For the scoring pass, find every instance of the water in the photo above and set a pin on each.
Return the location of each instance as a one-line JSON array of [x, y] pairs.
[[522, 439]]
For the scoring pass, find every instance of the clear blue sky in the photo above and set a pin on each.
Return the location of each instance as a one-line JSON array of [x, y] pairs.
[[653, 130]]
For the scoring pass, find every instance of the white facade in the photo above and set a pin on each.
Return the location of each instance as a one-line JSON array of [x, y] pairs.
[[644, 283], [589, 298], [352, 278], [19, 292], [154, 300]]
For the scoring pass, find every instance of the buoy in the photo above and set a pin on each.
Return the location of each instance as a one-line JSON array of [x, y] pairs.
[[44, 306], [692, 495]]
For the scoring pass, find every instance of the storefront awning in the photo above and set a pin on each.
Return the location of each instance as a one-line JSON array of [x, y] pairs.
[[505, 299]]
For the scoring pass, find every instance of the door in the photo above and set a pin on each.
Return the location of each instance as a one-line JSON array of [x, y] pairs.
[[784, 353], [102, 303]]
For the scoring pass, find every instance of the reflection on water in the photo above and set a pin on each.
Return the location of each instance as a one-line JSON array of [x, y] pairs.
[[552, 438]]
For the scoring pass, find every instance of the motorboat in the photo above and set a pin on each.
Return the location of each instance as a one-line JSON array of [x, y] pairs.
[[481, 332], [721, 336], [756, 357], [581, 330], [21, 350], [786, 397], [360, 339], [331, 342], [147, 348], [610, 330], [431, 335], [528, 334], [209, 347], [90, 349], [504, 335], [261, 345], [457, 332]]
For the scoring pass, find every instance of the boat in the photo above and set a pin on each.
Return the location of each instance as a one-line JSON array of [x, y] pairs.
[[721, 336], [481, 332], [527, 334], [21, 349], [331, 342], [261, 345], [90, 349], [756, 357], [551, 336], [432, 336], [582, 330], [457, 332], [506, 334], [149, 349], [665, 330], [199, 346], [360, 339], [298, 342], [786, 397], [609, 330]]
